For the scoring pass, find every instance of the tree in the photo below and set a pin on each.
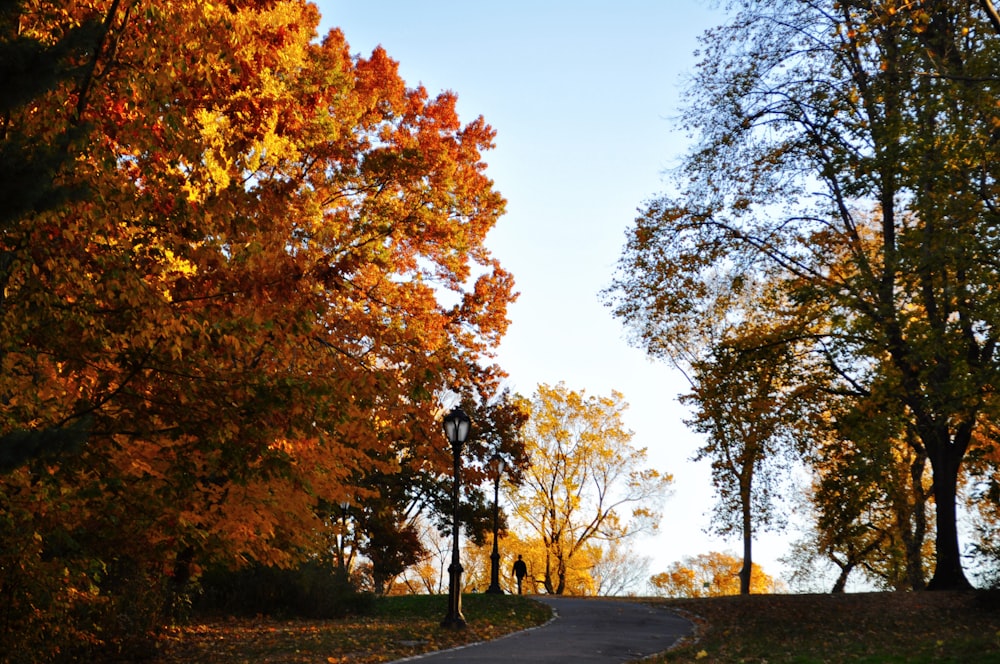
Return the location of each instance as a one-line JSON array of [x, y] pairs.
[[847, 152], [708, 575], [748, 408], [391, 547], [617, 570], [870, 487], [403, 490], [584, 474], [255, 284]]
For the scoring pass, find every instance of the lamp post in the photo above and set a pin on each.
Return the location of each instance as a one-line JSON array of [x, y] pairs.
[[456, 429], [498, 465]]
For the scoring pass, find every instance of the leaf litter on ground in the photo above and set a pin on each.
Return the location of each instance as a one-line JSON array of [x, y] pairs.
[[910, 627], [403, 627]]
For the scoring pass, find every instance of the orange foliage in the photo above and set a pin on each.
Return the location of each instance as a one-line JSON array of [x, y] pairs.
[[242, 301]]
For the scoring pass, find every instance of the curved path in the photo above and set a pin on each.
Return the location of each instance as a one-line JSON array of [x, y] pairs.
[[584, 630]]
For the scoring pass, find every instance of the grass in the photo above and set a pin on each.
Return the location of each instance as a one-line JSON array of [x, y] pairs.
[[890, 628], [401, 627], [866, 628]]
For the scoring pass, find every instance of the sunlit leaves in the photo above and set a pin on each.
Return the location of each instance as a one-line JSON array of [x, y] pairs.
[[586, 484], [255, 297], [708, 575]]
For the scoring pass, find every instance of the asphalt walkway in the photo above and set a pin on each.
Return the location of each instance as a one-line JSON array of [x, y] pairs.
[[586, 630]]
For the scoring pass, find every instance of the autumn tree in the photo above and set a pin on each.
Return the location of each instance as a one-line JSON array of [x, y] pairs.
[[747, 407], [31, 66], [265, 264], [846, 150], [708, 575], [395, 522], [870, 498], [586, 485]]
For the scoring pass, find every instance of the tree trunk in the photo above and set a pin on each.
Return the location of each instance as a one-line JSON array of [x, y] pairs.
[[183, 568], [178, 587], [746, 573], [549, 586], [945, 462], [841, 583], [914, 539], [551, 543], [561, 574]]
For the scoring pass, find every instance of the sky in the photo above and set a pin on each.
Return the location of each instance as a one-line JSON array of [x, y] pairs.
[[583, 96]]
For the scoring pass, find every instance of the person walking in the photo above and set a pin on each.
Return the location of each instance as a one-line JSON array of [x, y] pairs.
[[520, 571]]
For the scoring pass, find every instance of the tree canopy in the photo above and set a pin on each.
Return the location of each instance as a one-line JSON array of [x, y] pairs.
[[247, 266], [846, 152], [747, 406]]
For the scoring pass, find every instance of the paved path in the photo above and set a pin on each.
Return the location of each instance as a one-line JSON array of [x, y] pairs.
[[600, 631]]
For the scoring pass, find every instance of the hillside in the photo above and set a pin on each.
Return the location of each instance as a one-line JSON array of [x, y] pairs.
[[865, 627]]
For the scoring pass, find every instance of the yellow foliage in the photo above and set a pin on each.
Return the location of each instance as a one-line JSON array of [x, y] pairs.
[[709, 575], [585, 480]]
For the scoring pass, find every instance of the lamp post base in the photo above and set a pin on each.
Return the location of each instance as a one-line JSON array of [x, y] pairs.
[[456, 622], [494, 588], [454, 619]]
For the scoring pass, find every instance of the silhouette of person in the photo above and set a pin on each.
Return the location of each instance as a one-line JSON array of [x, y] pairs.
[[520, 571]]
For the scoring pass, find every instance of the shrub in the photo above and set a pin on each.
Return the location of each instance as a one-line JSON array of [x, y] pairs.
[[313, 590]]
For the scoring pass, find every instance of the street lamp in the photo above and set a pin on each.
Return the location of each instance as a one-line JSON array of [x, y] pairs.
[[456, 428], [498, 465]]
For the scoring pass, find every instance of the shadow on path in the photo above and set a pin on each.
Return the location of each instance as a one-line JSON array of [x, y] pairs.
[[584, 630]]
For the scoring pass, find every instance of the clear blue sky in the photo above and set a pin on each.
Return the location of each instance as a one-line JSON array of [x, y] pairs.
[[582, 95]]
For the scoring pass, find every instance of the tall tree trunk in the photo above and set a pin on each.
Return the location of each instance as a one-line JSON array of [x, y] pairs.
[[946, 451], [560, 556], [746, 573], [946, 458], [550, 543], [550, 587]]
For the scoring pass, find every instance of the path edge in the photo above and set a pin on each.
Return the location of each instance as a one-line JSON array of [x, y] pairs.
[[413, 658]]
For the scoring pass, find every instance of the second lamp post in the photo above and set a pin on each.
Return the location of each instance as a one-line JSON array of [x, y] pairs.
[[498, 466], [456, 428]]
